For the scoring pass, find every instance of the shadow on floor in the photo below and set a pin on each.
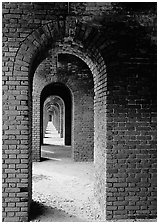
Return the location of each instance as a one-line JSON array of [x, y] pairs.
[[43, 159], [55, 145], [43, 213], [36, 210]]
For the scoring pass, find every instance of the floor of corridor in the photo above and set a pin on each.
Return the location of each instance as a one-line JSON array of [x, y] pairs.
[[63, 189], [52, 137]]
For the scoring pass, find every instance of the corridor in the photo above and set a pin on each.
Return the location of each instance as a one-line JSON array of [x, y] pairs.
[[90, 68], [62, 189], [52, 137]]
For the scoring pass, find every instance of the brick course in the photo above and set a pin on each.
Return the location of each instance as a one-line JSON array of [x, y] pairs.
[[80, 82], [123, 38]]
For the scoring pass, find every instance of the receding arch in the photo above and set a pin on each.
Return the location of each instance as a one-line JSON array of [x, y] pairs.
[[40, 41], [63, 92], [32, 51], [50, 112], [55, 110], [50, 102]]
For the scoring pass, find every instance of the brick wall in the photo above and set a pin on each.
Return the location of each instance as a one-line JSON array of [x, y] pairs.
[[131, 126], [123, 37], [57, 116], [35, 127], [45, 122], [73, 73], [131, 158]]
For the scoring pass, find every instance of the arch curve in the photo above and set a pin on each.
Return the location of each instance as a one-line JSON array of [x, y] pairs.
[[63, 92], [50, 101], [34, 49]]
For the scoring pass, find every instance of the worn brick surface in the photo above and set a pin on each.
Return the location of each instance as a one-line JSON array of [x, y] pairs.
[[73, 73], [117, 41]]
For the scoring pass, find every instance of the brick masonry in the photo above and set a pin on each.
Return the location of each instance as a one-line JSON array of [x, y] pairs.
[[52, 102], [54, 111], [73, 73], [121, 36]]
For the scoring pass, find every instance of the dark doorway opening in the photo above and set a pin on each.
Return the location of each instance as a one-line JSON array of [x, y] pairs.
[[50, 117], [62, 91]]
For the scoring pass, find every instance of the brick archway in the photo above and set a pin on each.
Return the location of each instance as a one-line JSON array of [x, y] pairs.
[[50, 101], [31, 52], [56, 113], [63, 92], [51, 113], [124, 109]]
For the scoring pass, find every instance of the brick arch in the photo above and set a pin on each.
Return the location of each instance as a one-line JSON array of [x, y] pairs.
[[46, 113], [33, 47], [39, 125], [65, 49], [65, 93], [56, 112], [38, 129], [48, 103], [56, 121], [61, 104], [49, 108], [43, 39]]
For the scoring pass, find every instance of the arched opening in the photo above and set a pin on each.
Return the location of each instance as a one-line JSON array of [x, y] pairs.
[[81, 129], [50, 117], [53, 121], [64, 93], [96, 64], [124, 113], [76, 74]]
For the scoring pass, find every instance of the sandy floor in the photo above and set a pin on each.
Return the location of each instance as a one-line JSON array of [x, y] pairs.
[[62, 189]]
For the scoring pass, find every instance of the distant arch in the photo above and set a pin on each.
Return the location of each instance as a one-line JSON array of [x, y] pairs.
[[63, 92]]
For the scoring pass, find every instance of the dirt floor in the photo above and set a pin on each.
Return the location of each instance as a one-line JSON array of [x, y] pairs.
[[63, 189]]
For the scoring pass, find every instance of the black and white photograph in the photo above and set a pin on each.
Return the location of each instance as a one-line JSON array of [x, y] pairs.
[[79, 111]]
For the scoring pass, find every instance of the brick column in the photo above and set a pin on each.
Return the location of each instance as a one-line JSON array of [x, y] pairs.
[[36, 128], [16, 147]]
